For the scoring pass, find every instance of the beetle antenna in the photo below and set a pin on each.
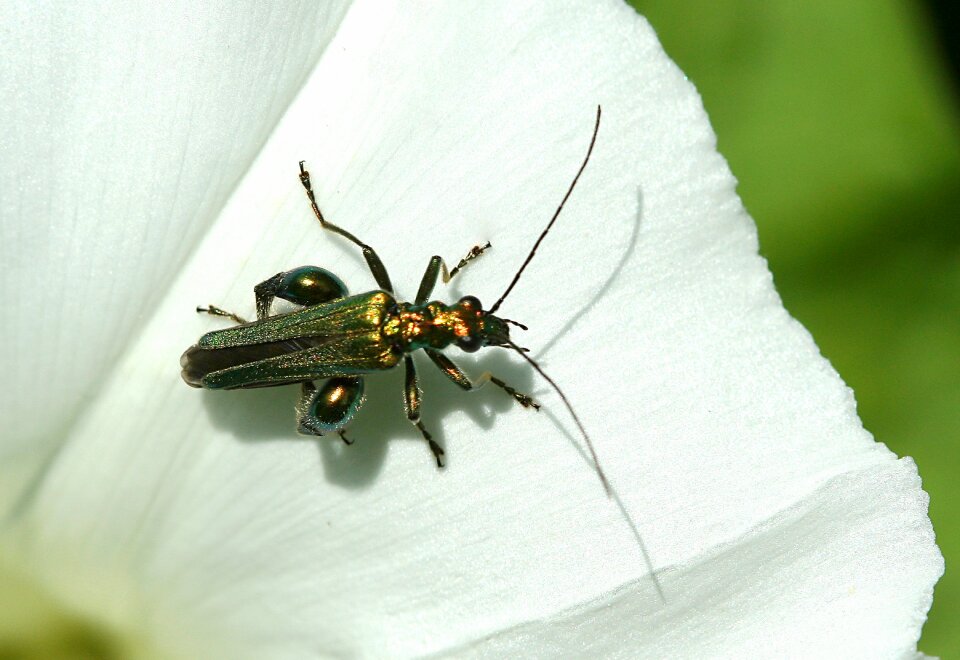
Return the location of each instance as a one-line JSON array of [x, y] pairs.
[[516, 323], [593, 453], [552, 220]]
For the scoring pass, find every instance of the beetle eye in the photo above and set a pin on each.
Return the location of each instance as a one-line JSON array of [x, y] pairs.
[[470, 343], [470, 302]]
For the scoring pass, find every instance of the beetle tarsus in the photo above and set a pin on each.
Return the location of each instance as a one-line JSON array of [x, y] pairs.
[[524, 400], [474, 252], [437, 450], [216, 311]]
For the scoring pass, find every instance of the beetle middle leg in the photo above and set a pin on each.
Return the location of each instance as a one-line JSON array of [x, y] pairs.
[[411, 402], [373, 260], [454, 373], [329, 408]]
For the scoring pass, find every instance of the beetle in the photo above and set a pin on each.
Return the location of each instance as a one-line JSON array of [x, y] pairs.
[[341, 338]]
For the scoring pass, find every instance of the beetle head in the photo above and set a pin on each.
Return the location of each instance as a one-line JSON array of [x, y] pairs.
[[480, 328]]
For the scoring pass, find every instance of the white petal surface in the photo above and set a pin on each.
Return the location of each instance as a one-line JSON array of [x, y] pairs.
[[199, 522], [125, 127]]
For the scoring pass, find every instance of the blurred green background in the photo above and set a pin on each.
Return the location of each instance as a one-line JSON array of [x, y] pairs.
[[840, 120]]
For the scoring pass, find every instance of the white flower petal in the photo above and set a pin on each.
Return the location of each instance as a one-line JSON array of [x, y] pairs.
[[791, 586], [125, 128], [775, 524]]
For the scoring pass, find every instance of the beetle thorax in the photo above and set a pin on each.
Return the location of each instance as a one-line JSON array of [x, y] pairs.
[[432, 325]]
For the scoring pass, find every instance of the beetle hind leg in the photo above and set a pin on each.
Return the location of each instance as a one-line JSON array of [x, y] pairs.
[[329, 408], [306, 286], [216, 311]]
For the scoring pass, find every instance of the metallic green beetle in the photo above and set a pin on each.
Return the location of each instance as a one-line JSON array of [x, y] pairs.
[[340, 338]]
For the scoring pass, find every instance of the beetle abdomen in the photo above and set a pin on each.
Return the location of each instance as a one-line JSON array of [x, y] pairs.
[[197, 362]]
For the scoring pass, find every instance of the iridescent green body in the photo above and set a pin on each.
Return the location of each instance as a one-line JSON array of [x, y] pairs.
[[339, 339], [346, 337]]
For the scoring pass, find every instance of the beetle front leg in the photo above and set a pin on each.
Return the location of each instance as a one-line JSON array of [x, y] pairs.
[[429, 279], [438, 265], [474, 252], [454, 373], [411, 403], [329, 408]]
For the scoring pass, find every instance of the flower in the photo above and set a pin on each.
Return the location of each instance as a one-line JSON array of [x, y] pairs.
[[753, 513]]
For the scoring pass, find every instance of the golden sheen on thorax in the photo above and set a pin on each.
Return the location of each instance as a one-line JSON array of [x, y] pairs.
[[433, 325]]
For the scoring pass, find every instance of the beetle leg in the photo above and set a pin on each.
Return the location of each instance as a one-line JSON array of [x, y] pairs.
[[264, 293], [429, 280], [454, 373], [329, 408], [308, 392], [306, 285], [474, 252], [373, 261], [411, 403], [216, 311], [438, 265], [524, 400]]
